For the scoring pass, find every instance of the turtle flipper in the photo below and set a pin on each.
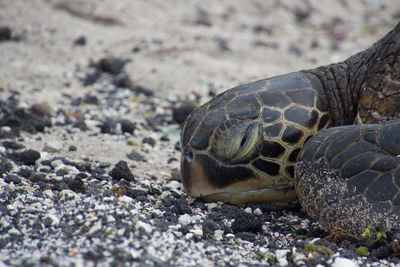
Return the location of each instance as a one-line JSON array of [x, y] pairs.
[[349, 177]]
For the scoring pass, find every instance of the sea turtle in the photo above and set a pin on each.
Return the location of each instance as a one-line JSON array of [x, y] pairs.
[[267, 141]]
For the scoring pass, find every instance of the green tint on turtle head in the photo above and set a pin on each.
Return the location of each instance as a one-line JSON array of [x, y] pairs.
[[236, 141]]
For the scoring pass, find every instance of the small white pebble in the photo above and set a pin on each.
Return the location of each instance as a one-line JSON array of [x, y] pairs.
[[184, 219], [13, 231], [211, 205], [174, 227], [96, 227], [56, 163], [257, 212], [248, 210], [281, 256], [197, 232], [300, 259], [125, 199], [146, 227], [343, 262], [218, 234], [174, 184], [189, 236]]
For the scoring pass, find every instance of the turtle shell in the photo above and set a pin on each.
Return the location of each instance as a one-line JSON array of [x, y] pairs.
[[242, 145]]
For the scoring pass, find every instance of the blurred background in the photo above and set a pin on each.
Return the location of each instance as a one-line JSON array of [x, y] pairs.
[[179, 48]]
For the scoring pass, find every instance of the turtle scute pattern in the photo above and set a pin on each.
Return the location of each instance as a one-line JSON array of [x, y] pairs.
[[290, 110], [352, 172]]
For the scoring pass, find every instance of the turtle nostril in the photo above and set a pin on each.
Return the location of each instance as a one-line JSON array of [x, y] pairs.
[[189, 156]]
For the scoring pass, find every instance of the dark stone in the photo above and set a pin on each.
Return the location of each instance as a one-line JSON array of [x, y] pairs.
[[136, 156], [72, 148], [112, 65], [122, 80], [89, 79], [12, 145], [121, 170], [38, 177], [27, 157], [154, 191], [12, 178], [5, 167], [381, 252], [209, 228], [5, 33], [246, 222], [138, 89], [164, 138], [149, 140], [108, 126], [104, 164], [81, 40], [127, 126], [77, 185], [80, 124], [91, 99], [181, 112], [26, 173], [177, 146], [135, 193], [176, 206]]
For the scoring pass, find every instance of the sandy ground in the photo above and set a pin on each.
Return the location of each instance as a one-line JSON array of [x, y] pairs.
[[177, 48]]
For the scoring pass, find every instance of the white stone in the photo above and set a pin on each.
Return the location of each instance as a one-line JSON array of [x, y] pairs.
[[142, 225], [281, 256], [189, 236], [218, 234], [257, 212], [211, 205], [54, 219], [125, 199], [248, 210], [184, 219], [96, 227], [300, 259], [343, 262], [197, 232]]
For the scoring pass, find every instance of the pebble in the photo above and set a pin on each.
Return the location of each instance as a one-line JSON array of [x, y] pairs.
[[184, 219], [11, 178], [81, 40], [122, 171], [142, 225], [257, 212], [5, 33], [281, 256], [112, 65], [180, 112], [343, 262], [27, 157]]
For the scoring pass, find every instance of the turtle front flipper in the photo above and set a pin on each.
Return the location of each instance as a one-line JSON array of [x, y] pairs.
[[349, 177]]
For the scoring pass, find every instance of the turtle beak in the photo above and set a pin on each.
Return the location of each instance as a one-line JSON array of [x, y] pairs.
[[194, 178], [186, 163]]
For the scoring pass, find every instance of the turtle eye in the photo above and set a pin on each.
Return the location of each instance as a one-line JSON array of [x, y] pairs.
[[237, 141]]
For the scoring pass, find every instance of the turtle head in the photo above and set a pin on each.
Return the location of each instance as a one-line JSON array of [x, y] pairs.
[[217, 160], [221, 169]]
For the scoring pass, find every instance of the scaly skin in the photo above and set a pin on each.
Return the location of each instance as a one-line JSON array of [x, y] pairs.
[[365, 88]]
